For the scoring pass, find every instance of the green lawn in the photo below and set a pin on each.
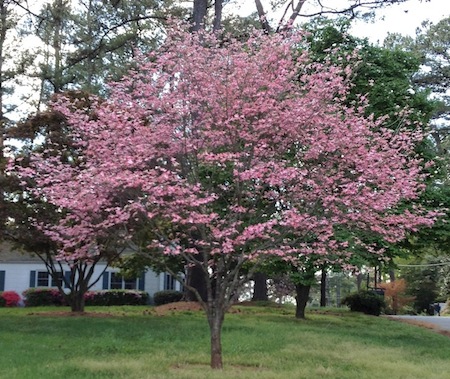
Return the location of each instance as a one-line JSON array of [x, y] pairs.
[[262, 343]]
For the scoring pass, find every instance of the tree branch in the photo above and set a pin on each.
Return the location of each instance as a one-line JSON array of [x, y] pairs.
[[262, 17]]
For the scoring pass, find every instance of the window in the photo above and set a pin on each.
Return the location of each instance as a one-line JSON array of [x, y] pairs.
[[2, 280], [115, 281], [169, 282], [44, 279], [118, 282]]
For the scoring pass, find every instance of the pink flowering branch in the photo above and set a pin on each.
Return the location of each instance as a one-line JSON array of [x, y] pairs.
[[246, 149]]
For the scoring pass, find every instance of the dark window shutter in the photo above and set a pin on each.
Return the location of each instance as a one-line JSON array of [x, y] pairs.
[[142, 282], [2, 280], [105, 280], [32, 279], [66, 279]]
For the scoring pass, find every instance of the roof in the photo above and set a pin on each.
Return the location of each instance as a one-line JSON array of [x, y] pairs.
[[11, 254]]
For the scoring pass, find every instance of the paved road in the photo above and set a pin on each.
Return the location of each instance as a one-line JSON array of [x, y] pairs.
[[442, 322]]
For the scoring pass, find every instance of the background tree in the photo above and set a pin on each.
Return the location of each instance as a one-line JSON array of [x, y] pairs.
[[394, 295], [81, 45], [13, 67], [85, 46], [431, 48], [35, 220], [422, 277], [209, 14], [384, 77]]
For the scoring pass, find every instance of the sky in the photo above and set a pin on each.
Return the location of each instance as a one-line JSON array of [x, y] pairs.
[[403, 18]]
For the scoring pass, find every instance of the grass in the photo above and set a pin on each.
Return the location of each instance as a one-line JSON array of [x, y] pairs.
[[258, 342]]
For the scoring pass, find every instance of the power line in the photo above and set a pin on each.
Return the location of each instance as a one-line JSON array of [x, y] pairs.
[[427, 265]]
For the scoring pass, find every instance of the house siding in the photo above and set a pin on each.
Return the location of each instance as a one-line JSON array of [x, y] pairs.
[[20, 276], [18, 272]]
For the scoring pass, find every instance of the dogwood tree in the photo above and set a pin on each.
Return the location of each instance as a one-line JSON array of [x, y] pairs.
[[40, 218], [243, 151]]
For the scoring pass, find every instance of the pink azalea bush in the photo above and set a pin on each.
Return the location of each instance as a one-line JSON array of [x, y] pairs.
[[10, 298]]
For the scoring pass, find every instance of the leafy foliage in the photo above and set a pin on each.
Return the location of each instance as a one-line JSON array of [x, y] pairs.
[[9, 299], [367, 302], [395, 295], [116, 297], [426, 275], [35, 297], [166, 297]]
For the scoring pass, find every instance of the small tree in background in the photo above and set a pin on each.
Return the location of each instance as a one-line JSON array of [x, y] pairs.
[[39, 223], [395, 295]]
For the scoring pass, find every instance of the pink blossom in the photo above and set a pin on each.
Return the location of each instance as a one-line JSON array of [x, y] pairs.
[[243, 149]]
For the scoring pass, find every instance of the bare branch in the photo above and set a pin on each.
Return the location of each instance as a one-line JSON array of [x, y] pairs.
[[26, 9], [356, 4], [323, 9]]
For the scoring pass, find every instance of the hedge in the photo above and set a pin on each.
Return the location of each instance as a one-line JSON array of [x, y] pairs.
[[35, 297], [367, 302], [47, 296], [117, 297], [166, 297]]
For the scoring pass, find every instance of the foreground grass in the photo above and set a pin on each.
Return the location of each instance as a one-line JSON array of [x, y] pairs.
[[258, 343]]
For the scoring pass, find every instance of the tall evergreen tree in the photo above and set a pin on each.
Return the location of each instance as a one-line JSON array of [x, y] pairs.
[[431, 47]]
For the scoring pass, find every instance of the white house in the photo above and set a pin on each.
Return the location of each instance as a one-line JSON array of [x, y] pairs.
[[20, 271]]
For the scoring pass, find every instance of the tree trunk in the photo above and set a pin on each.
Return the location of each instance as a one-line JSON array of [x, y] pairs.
[[392, 275], [302, 296], [359, 280], [58, 14], [199, 14], [260, 287], [262, 17], [215, 320], [77, 301], [217, 23], [196, 278], [323, 288], [3, 30]]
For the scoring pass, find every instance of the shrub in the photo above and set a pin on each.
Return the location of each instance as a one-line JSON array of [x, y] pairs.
[[117, 297], [395, 296], [166, 297], [10, 299], [367, 302], [2, 301], [35, 297]]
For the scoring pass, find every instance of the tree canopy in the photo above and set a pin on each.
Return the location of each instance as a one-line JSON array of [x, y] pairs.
[[247, 148]]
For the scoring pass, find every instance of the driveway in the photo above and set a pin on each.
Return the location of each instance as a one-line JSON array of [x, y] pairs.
[[438, 322]]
